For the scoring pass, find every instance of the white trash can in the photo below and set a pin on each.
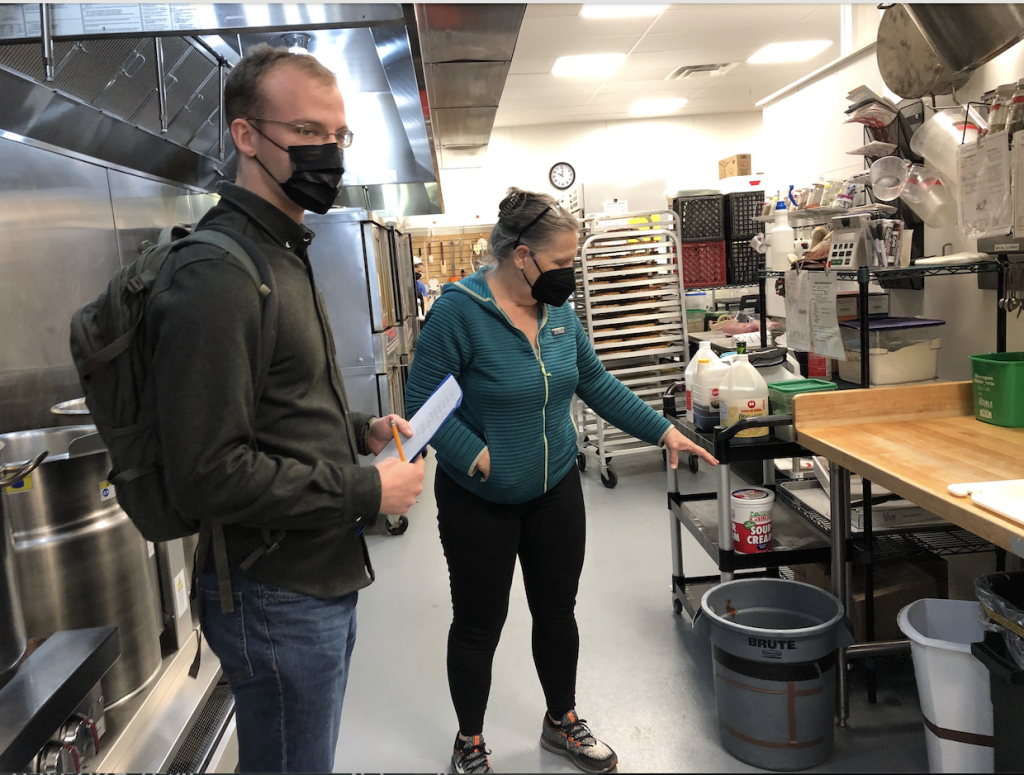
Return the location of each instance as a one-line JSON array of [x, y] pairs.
[[956, 701]]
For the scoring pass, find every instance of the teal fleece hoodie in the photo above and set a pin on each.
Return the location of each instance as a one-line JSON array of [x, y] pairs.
[[516, 400]]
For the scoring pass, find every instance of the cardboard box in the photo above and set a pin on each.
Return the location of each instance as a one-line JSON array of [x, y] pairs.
[[734, 165], [846, 305], [897, 584]]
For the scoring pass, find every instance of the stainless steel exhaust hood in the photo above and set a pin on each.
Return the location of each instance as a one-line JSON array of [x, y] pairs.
[[107, 101]]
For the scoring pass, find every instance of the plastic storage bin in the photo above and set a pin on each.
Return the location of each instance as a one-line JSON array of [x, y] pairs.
[[742, 262], [999, 388], [740, 211], [901, 350], [781, 394], [956, 701], [701, 218], [703, 264]]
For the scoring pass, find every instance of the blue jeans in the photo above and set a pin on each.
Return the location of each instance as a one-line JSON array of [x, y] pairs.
[[286, 656]]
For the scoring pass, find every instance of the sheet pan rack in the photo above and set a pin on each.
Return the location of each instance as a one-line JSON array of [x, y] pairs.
[[631, 305]]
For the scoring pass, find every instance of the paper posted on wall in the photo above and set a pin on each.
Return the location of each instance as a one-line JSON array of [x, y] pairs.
[[428, 420], [983, 171], [812, 322]]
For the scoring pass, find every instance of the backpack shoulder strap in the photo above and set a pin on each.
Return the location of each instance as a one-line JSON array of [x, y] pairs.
[[249, 255]]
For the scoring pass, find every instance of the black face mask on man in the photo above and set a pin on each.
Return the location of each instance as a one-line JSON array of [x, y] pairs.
[[316, 175], [554, 286]]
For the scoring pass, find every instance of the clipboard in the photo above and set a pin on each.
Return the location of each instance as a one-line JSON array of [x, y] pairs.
[[428, 420]]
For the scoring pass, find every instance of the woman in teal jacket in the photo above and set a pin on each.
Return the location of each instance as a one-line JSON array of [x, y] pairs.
[[507, 483]]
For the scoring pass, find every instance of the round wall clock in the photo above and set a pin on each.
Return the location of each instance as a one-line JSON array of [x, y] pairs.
[[562, 175]]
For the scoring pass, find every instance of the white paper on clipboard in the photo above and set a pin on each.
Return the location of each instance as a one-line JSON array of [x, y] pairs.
[[428, 420]]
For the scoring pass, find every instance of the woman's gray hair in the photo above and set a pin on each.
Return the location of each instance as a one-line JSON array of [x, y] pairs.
[[517, 211]]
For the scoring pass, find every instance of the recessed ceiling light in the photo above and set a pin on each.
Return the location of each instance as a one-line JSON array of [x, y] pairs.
[[654, 107], [602, 11], [799, 51], [587, 65]]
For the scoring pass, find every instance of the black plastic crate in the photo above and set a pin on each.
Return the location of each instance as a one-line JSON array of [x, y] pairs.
[[742, 262], [740, 211], [701, 218]]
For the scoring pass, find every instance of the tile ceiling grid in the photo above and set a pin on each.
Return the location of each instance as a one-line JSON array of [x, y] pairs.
[[683, 34]]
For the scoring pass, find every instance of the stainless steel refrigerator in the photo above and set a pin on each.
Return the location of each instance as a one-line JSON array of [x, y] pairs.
[[364, 269]]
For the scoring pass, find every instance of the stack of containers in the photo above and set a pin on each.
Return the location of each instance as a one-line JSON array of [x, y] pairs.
[[742, 261], [702, 232]]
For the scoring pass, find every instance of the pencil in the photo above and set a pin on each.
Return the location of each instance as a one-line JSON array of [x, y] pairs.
[[398, 440]]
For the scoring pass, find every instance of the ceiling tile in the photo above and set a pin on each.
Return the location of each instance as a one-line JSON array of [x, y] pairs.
[[633, 73], [747, 41], [548, 81], [616, 98], [552, 9], [528, 93], [558, 47], [618, 109], [569, 27], [531, 65], [721, 16], [674, 59], [686, 87], [553, 101]]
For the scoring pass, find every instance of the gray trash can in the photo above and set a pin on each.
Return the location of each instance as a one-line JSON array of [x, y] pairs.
[[774, 646]]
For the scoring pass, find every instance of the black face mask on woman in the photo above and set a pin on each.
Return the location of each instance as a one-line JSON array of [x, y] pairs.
[[316, 175], [554, 286]]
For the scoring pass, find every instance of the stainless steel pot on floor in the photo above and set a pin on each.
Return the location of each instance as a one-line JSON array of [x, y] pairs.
[[80, 560], [12, 620]]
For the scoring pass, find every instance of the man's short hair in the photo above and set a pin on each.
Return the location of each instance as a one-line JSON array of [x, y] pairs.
[[243, 95]]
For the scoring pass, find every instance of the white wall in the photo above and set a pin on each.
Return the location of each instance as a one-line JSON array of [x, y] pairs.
[[632, 160], [804, 136]]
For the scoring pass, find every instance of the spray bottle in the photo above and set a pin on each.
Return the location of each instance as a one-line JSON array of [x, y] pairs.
[[781, 237]]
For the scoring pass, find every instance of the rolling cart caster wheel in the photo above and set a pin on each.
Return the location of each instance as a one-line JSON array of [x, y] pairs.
[[581, 461], [609, 479], [677, 607], [692, 462], [398, 527]]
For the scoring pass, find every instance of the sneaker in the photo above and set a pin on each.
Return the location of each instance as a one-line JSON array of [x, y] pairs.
[[574, 739], [470, 755]]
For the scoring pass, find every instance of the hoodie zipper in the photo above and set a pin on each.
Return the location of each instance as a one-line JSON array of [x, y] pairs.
[[543, 369]]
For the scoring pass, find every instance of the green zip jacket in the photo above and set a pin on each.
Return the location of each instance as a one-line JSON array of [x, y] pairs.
[[516, 400]]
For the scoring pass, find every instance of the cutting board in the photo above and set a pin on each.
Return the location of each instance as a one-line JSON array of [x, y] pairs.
[[1005, 497]]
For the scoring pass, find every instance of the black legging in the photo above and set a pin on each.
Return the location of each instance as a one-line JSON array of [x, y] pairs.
[[481, 541]]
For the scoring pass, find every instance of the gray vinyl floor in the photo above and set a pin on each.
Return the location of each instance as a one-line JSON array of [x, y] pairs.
[[645, 682]]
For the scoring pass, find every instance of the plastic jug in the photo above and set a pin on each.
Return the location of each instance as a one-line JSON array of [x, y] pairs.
[[705, 394], [703, 351], [743, 395]]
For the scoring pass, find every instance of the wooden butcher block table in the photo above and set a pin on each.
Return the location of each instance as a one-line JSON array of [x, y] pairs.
[[914, 440]]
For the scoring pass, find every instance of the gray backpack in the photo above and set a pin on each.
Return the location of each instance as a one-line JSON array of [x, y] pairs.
[[113, 365]]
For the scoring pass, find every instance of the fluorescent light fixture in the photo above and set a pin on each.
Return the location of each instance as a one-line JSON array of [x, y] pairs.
[[656, 107], [602, 11], [587, 65], [798, 51]]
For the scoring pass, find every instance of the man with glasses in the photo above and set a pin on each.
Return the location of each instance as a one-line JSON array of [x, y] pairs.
[[277, 467]]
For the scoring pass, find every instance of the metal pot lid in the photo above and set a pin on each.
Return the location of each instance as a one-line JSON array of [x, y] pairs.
[[907, 62], [76, 406]]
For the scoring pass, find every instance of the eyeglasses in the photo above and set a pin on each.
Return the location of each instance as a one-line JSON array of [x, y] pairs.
[[314, 131]]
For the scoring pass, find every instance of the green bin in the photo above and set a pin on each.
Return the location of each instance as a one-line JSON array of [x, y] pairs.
[[999, 388], [780, 395]]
